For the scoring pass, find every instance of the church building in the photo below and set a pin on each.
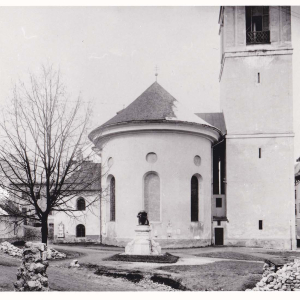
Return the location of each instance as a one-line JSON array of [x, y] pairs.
[[224, 178]]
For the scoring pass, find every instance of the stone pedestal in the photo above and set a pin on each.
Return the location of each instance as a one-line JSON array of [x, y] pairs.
[[142, 244]]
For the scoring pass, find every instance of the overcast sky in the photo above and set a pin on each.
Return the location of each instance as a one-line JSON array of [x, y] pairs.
[[109, 54]]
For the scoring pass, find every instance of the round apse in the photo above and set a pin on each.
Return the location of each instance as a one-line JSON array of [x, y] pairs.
[[151, 157], [197, 160], [110, 161]]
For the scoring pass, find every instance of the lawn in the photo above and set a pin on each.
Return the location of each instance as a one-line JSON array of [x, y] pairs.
[[218, 276], [284, 254], [243, 271], [231, 255]]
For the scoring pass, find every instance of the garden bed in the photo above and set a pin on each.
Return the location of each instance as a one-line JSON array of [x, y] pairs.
[[166, 258]]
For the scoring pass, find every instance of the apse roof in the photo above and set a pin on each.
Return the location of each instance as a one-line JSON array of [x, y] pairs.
[[155, 104]]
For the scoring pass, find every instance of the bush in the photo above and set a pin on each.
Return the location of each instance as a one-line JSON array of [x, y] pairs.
[[32, 233], [19, 243]]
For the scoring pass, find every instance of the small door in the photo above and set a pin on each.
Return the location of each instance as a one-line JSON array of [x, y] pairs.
[[219, 236]]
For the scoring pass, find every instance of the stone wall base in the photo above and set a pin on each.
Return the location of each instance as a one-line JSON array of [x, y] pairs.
[[164, 243], [284, 244], [281, 244], [74, 239]]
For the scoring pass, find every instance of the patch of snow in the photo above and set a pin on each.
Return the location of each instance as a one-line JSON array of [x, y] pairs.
[[3, 194], [3, 212], [183, 114]]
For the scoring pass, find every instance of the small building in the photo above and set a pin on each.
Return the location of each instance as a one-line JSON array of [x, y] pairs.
[[76, 219], [11, 228], [81, 220]]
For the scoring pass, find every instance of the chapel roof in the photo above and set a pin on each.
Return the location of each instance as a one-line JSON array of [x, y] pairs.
[[87, 178], [155, 104]]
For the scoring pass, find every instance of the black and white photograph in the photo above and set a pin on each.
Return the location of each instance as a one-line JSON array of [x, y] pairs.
[[149, 148]]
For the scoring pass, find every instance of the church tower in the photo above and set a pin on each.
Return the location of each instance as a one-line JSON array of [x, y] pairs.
[[257, 102]]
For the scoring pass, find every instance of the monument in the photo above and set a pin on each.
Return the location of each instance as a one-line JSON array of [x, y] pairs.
[[143, 244]]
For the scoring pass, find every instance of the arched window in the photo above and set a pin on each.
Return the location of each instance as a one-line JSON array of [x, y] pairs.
[[80, 230], [112, 190], [80, 204], [152, 196], [194, 199]]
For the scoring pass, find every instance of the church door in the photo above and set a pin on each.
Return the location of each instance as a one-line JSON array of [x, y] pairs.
[[219, 236]]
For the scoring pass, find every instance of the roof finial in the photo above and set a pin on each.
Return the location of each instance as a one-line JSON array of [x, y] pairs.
[[156, 74]]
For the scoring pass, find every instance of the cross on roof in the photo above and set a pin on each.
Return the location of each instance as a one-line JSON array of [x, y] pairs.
[[156, 74]]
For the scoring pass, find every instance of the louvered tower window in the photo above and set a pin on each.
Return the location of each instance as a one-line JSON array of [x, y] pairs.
[[257, 25]]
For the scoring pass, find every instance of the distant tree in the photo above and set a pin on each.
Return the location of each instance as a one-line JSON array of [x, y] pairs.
[[42, 135]]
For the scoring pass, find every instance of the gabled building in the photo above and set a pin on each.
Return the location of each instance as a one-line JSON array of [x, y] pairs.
[[81, 220], [10, 221]]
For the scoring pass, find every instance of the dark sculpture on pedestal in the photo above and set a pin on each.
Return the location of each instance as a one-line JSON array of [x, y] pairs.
[[143, 219], [143, 244]]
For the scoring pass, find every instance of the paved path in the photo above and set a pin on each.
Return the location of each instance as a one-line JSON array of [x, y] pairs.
[[95, 255]]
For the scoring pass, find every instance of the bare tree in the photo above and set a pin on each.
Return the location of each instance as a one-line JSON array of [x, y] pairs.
[[43, 158]]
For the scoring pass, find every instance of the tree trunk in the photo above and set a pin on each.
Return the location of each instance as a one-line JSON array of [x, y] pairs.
[[45, 229]]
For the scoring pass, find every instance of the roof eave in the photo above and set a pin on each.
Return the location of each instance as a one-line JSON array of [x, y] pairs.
[[93, 135]]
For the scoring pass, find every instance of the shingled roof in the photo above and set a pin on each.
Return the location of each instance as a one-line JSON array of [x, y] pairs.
[[86, 179], [8, 207], [155, 104], [215, 119]]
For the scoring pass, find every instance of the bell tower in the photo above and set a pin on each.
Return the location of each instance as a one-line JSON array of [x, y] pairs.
[[257, 102]]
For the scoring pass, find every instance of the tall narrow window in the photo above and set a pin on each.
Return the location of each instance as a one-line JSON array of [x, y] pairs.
[[258, 77], [219, 175], [259, 152], [194, 199], [80, 230], [113, 199], [152, 196]]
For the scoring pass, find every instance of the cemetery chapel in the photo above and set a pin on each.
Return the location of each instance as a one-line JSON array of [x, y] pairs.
[[222, 178]]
